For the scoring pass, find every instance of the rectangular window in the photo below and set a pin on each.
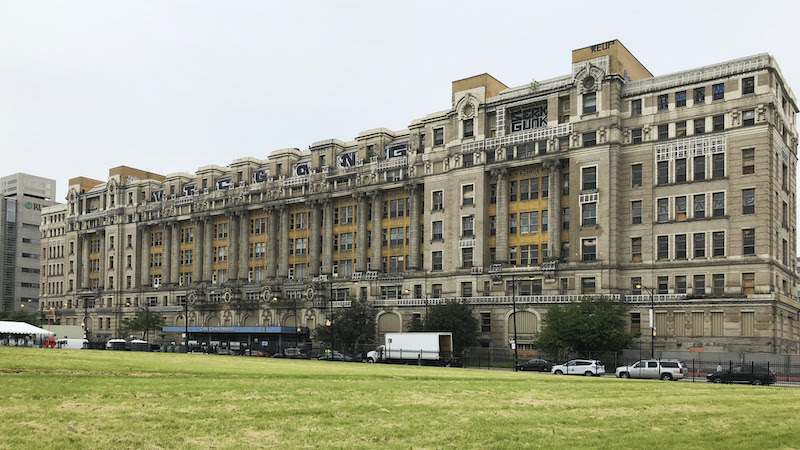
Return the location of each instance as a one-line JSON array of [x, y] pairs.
[[748, 161], [636, 320], [565, 219], [636, 107], [438, 136], [663, 172], [589, 178], [680, 170], [680, 129], [699, 245], [680, 99], [512, 224], [466, 257], [718, 242], [719, 204], [699, 95], [700, 125], [636, 249], [563, 110], [486, 322], [680, 285], [717, 165], [636, 175], [546, 187], [589, 217], [663, 132], [467, 194], [589, 249], [718, 286], [438, 200], [680, 208], [544, 220], [663, 209], [719, 123], [718, 91], [698, 322], [663, 102], [587, 285], [636, 136], [748, 85], [663, 247], [662, 288], [749, 283], [467, 226], [590, 103], [438, 230], [436, 261], [590, 139], [748, 324], [468, 128], [680, 246], [748, 201], [749, 241], [748, 117], [699, 168]]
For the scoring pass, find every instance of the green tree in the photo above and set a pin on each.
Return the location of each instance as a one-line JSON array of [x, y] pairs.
[[143, 320], [454, 317], [350, 329], [20, 316], [595, 324]]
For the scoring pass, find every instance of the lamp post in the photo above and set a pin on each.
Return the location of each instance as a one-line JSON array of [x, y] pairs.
[[652, 324], [186, 320]]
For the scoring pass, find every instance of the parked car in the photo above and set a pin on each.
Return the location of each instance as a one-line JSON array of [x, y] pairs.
[[586, 367], [752, 374], [255, 353], [335, 356], [536, 365], [665, 369]]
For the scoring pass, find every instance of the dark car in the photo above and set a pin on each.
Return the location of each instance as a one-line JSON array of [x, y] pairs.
[[536, 365], [744, 374]]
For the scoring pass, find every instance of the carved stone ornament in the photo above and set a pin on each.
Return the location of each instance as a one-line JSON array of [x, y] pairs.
[[589, 78]]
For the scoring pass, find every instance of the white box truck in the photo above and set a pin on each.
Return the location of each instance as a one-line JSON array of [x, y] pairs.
[[429, 348]]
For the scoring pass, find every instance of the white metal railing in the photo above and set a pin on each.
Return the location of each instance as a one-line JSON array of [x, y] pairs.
[[494, 300], [699, 75], [187, 200], [689, 147], [656, 298], [522, 137]]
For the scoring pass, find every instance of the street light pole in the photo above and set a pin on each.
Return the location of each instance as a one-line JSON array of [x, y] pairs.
[[652, 324]]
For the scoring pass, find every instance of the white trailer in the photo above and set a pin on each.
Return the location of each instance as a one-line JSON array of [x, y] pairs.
[[417, 347]]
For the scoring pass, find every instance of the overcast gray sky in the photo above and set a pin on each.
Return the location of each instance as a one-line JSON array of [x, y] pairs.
[[170, 86]]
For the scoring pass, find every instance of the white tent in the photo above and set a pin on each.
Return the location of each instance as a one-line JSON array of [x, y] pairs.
[[21, 328]]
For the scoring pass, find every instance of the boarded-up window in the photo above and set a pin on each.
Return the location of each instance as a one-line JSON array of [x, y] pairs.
[[661, 324], [748, 283], [680, 324], [388, 323], [717, 324], [636, 323], [748, 324], [527, 324], [697, 324]]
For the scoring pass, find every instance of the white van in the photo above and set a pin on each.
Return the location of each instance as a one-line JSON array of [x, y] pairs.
[[72, 343]]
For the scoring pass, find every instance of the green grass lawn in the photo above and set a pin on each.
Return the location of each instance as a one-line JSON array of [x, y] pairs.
[[103, 399]]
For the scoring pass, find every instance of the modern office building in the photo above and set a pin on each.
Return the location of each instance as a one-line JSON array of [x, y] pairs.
[[24, 197], [512, 198]]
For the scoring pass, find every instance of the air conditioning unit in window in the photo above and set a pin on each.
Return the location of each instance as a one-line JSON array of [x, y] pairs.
[[477, 270]]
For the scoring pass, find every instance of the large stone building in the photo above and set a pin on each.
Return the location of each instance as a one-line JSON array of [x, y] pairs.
[[24, 197], [596, 182]]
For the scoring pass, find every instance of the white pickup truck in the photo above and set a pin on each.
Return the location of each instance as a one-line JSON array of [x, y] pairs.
[[665, 369]]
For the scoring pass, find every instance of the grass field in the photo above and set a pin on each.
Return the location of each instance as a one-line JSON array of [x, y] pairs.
[[102, 399]]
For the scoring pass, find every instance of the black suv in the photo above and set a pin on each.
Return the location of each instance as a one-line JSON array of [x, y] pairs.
[[752, 374]]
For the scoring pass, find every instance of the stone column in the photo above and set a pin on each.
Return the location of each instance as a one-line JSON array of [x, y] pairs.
[[84, 265], [272, 241], [313, 240], [244, 245], [175, 253], [501, 246], [208, 248], [377, 211], [144, 255], [414, 228], [327, 238], [361, 232], [166, 254], [554, 208], [198, 250], [233, 247], [283, 268]]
